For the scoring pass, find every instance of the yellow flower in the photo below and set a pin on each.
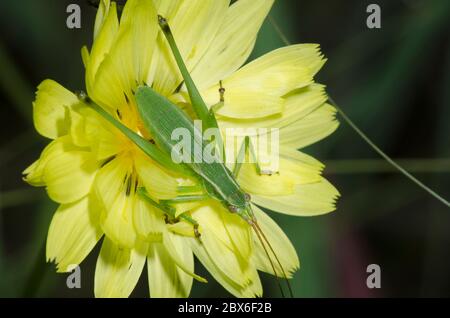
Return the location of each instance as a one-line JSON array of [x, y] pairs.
[[93, 171]]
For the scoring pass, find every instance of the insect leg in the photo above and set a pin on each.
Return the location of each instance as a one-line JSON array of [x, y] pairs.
[[198, 104], [245, 151], [214, 108], [170, 211], [185, 199], [201, 109], [190, 189]]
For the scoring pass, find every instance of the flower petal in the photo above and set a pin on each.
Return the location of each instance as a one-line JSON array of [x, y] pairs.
[[77, 128], [280, 243], [104, 139], [233, 43], [280, 170], [252, 287], [194, 25], [128, 61], [312, 128], [33, 174], [308, 200], [160, 184], [256, 90], [118, 269], [115, 186], [102, 14], [49, 109], [239, 232], [73, 233], [298, 104], [148, 221], [179, 250], [221, 247], [105, 32], [276, 184], [69, 171], [165, 278]]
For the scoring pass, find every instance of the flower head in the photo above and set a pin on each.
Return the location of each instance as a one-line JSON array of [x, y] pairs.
[[94, 172]]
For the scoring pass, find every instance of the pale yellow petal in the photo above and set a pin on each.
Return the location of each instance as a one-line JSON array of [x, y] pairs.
[[148, 221], [297, 105], [220, 247], [182, 228], [49, 109], [104, 139], [115, 186], [85, 56], [77, 128], [280, 243], [102, 14], [165, 278], [308, 200], [139, 27], [128, 61], [230, 229], [73, 233], [233, 43], [33, 174], [239, 232], [274, 172], [252, 288], [118, 269], [69, 171], [310, 129], [194, 25], [179, 250], [276, 184], [167, 8], [184, 207], [105, 33], [158, 183], [257, 89]]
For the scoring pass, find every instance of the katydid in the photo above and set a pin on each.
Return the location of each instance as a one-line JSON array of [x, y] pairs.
[[161, 117]]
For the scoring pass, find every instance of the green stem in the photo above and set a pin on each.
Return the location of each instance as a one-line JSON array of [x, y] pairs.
[[351, 166]]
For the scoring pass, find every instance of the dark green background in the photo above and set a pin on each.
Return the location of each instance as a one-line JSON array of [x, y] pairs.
[[393, 82]]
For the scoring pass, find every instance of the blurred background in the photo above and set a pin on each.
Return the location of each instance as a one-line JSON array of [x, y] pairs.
[[394, 82]]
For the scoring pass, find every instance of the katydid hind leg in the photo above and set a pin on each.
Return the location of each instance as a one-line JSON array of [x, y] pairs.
[[170, 211], [198, 104]]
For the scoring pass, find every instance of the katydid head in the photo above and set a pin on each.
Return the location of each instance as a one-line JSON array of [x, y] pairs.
[[240, 204]]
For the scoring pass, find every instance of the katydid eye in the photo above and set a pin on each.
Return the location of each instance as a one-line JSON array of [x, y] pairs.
[[232, 208], [248, 198]]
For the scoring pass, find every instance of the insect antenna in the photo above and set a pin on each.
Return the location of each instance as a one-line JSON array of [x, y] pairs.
[[258, 229], [269, 258]]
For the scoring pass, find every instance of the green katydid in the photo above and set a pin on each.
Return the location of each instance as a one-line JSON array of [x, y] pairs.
[[160, 116]]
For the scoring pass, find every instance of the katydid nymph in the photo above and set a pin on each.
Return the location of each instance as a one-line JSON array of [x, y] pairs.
[[161, 117]]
